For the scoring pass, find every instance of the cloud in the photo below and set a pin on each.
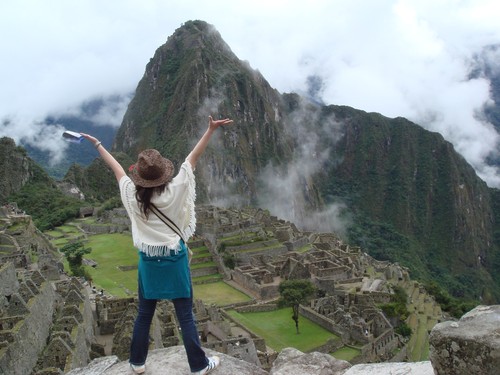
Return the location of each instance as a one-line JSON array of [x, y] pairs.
[[105, 111], [288, 193], [408, 58]]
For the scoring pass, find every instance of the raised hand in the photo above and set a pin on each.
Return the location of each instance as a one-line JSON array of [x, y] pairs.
[[214, 124]]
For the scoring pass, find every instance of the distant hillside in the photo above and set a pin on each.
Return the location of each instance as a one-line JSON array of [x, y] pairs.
[[24, 182]]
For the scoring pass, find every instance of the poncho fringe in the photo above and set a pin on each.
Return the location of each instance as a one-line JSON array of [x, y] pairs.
[[159, 250], [191, 198]]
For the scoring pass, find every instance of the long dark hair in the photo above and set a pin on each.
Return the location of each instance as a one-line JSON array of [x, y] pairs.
[[144, 195]]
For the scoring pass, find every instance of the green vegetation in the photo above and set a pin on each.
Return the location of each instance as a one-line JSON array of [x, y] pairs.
[[293, 293], [397, 311], [229, 260], [404, 329], [47, 205], [97, 182], [274, 327], [454, 306], [74, 253], [397, 306]]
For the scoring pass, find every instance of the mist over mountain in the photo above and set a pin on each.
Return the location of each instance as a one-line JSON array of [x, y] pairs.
[[400, 192]]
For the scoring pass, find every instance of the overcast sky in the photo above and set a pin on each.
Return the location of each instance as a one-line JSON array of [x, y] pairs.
[[407, 58]]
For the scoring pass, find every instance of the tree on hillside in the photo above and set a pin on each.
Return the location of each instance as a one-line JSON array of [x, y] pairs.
[[293, 293], [74, 253]]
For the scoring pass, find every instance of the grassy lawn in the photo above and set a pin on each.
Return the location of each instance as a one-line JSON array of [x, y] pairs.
[[278, 329], [346, 353], [219, 293], [111, 251]]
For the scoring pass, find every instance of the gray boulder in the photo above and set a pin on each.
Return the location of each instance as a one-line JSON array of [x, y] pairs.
[[394, 368], [293, 362], [470, 346]]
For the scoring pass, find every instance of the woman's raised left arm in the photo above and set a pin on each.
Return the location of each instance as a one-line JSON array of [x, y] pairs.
[[106, 156]]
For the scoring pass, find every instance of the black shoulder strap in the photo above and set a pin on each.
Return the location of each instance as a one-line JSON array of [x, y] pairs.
[[167, 221]]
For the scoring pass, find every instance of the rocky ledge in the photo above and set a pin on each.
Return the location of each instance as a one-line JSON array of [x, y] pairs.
[[290, 362]]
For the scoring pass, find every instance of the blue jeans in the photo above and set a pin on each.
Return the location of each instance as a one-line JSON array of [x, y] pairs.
[[184, 310]]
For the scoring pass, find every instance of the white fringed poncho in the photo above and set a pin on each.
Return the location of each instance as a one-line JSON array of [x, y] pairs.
[[152, 236]]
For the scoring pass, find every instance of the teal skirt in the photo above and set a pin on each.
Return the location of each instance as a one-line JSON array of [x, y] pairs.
[[165, 277]]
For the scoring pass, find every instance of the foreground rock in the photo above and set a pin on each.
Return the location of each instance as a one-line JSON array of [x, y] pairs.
[[293, 362], [470, 346], [290, 362], [168, 361], [395, 368]]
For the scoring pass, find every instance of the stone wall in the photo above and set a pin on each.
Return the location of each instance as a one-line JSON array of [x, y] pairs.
[[382, 347], [323, 321], [245, 257], [260, 307], [264, 292], [8, 280], [29, 336]]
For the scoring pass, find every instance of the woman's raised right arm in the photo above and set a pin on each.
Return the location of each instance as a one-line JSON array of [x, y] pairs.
[[200, 147]]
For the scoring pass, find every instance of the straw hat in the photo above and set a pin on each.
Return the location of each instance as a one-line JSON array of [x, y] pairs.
[[151, 169]]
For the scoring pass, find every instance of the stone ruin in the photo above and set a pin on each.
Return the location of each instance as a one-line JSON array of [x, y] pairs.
[[46, 321], [267, 250], [43, 324]]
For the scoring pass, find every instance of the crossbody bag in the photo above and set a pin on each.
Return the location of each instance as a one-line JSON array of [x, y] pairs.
[[172, 226]]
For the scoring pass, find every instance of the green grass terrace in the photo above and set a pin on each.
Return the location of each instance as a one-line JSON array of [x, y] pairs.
[[278, 329]]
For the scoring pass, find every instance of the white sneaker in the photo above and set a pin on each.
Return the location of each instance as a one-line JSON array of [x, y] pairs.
[[213, 362], [138, 369]]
